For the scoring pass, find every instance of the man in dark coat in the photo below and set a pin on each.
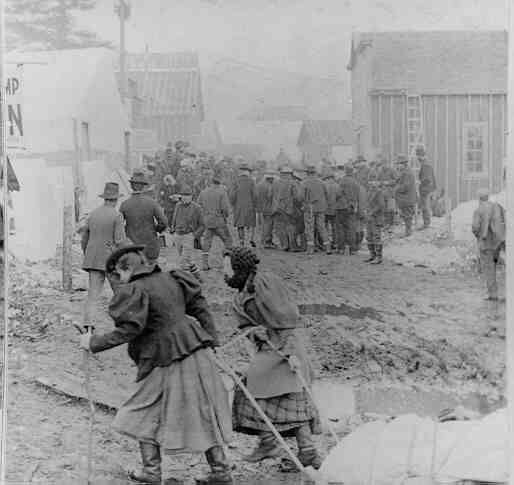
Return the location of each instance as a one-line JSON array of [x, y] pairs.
[[243, 198], [405, 193], [427, 185], [215, 209], [347, 204], [330, 218], [387, 177], [375, 219], [180, 402], [144, 217], [264, 191], [168, 196], [313, 194], [284, 198]]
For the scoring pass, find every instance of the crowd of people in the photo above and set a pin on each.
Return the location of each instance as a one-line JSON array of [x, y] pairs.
[[309, 209]]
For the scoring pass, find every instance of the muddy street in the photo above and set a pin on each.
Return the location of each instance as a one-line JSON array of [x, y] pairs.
[[392, 339]]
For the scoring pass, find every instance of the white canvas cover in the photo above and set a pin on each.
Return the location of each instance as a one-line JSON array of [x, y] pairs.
[[410, 447]]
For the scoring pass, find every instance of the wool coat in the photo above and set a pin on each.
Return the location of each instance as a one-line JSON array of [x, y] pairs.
[[314, 193], [426, 180], [151, 313], [144, 219], [215, 206], [265, 191], [243, 199], [102, 234], [405, 192]]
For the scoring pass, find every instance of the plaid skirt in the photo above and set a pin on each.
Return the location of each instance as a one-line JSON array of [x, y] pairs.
[[287, 413]]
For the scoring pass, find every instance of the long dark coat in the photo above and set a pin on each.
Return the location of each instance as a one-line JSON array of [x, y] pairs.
[[405, 193], [243, 198], [144, 219]]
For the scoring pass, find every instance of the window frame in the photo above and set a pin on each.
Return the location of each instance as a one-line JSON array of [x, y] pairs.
[[467, 174]]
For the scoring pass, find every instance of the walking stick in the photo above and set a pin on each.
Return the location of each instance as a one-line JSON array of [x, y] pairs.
[[87, 384], [225, 367]]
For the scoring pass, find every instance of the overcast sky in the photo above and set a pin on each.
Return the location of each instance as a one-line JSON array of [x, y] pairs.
[[307, 36]]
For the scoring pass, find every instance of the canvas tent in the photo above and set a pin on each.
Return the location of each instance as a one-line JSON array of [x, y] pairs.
[[72, 111]]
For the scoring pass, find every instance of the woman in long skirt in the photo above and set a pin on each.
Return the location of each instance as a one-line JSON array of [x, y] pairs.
[[180, 403], [262, 301]]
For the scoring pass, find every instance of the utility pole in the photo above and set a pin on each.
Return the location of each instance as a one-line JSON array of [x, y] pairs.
[[123, 11]]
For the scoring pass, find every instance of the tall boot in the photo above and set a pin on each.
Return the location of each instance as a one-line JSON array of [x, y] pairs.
[[307, 453], [328, 248], [408, 227], [205, 261], [372, 253], [268, 447], [378, 259], [151, 471], [310, 248], [220, 469]]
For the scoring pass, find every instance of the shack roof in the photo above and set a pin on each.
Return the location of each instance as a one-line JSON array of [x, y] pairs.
[[326, 133], [435, 62]]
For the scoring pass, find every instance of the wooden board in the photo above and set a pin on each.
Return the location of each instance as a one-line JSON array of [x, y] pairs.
[[72, 386]]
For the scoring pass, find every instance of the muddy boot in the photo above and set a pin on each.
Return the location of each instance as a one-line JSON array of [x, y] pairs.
[[328, 248], [372, 254], [307, 454], [267, 448], [205, 261], [408, 228], [220, 469], [310, 249], [151, 471], [378, 259]]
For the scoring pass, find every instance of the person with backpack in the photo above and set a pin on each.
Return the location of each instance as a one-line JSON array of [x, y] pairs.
[[489, 228]]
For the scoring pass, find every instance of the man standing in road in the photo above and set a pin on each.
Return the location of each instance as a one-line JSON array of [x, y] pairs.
[[243, 198], [168, 196], [283, 208], [405, 193], [489, 228], [144, 217], [427, 185], [102, 234], [330, 218], [215, 209], [313, 194], [265, 190], [346, 211]]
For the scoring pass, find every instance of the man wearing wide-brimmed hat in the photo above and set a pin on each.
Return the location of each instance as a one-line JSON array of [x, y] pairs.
[[144, 217], [405, 193], [283, 208], [332, 189], [265, 190], [313, 194], [427, 185], [102, 233], [187, 225], [243, 197], [180, 402]]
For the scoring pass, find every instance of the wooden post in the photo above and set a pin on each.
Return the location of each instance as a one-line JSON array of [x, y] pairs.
[[509, 324], [67, 247], [490, 165], [391, 128]]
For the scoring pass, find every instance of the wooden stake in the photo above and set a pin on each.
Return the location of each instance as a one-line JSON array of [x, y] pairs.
[[67, 247]]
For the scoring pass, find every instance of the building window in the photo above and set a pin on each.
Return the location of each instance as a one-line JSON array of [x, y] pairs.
[[475, 150], [86, 143]]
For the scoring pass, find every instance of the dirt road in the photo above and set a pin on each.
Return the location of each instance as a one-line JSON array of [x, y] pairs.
[[371, 327]]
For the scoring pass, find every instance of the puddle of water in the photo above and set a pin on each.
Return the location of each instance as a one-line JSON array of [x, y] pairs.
[[393, 402]]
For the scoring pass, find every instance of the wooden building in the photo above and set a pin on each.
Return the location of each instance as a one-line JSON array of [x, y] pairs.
[[171, 91], [327, 139], [444, 90]]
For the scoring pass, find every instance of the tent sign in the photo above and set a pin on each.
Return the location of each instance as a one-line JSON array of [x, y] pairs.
[[14, 131]]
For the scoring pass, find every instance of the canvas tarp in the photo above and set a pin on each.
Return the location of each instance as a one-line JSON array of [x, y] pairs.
[[389, 453]]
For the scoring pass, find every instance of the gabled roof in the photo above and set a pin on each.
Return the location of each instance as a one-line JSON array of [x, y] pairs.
[[169, 84], [327, 132], [435, 62]]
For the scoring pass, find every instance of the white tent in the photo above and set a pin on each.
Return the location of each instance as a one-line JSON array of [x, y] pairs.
[[60, 90]]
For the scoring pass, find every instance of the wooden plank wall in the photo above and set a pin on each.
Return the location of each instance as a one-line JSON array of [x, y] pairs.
[[444, 118]]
